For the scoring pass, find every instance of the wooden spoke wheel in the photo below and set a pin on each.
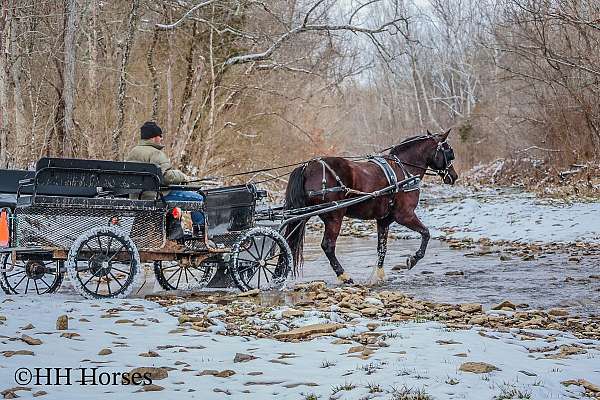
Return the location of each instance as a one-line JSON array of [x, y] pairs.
[[179, 276], [103, 263], [31, 276], [260, 259]]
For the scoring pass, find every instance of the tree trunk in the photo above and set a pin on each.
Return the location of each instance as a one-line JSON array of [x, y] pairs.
[[4, 127], [68, 92], [210, 131], [153, 75], [121, 91], [19, 106], [185, 128]]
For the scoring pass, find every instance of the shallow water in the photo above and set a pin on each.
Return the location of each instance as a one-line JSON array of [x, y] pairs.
[[550, 280]]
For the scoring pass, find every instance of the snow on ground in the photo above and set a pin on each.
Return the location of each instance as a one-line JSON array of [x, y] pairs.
[[420, 356], [501, 214]]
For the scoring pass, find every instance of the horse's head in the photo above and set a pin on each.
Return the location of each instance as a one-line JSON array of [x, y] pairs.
[[442, 157]]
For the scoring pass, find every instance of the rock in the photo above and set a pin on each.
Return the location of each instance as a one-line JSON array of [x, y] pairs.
[[306, 331], [124, 321], [69, 335], [356, 349], [478, 320], [341, 341], [9, 353], [27, 327], [241, 357], [149, 354], [582, 382], [478, 367], [446, 342], [225, 373], [104, 352], [183, 318], [219, 374], [454, 273], [152, 388], [505, 305], [156, 374], [372, 326], [471, 308], [398, 318], [31, 341], [62, 323], [454, 314], [40, 393], [292, 313], [249, 293], [505, 257], [369, 311], [558, 312], [528, 373], [10, 393], [317, 286]]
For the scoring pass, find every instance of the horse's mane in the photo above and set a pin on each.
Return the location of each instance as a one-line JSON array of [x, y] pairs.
[[409, 140]]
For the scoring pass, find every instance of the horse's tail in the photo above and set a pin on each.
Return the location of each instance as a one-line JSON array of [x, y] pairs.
[[295, 197]]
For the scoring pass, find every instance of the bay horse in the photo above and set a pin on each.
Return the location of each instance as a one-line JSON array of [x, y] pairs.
[[328, 179]]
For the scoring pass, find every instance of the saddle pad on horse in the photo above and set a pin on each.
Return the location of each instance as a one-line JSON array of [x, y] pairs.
[[409, 183], [388, 171]]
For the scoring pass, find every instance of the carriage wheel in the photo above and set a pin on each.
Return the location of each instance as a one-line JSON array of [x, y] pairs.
[[174, 275], [103, 263], [31, 276], [260, 259]]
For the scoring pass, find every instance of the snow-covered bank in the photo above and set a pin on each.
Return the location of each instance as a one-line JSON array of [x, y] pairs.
[[406, 356], [498, 214]]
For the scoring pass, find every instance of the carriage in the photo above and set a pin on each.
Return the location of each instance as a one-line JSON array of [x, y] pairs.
[[86, 218]]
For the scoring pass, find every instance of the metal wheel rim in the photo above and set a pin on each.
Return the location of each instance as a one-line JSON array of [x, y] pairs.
[[21, 277], [107, 273], [259, 263], [176, 272]]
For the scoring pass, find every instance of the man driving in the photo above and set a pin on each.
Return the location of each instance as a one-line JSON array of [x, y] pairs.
[[150, 150]]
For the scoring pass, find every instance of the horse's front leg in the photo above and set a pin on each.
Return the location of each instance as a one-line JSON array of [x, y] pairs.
[[333, 225], [412, 222]]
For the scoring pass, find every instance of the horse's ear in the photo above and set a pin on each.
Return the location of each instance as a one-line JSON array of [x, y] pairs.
[[444, 136], [429, 133]]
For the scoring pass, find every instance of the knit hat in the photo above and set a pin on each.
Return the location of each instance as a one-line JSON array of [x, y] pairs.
[[150, 129]]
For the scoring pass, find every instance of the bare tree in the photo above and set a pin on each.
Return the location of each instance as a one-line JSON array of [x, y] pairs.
[[68, 91], [122, 89]]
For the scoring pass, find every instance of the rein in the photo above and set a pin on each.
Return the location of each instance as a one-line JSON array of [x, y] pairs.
[[427, 170]]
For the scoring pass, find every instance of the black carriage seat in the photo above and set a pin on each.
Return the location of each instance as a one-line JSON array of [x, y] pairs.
[[92, 178], [9, 184]]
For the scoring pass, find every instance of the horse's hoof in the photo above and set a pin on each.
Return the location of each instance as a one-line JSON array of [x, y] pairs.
[[345, 279], [411, 261]]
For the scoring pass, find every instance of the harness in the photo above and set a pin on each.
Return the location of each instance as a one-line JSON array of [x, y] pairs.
[[408, 184]]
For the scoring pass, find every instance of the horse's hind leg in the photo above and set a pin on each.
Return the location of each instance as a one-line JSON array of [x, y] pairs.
[[383, 226], [333, 224], [412, 222]]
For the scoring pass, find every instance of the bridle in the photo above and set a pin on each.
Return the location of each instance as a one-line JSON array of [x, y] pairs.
[[447, 155]]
